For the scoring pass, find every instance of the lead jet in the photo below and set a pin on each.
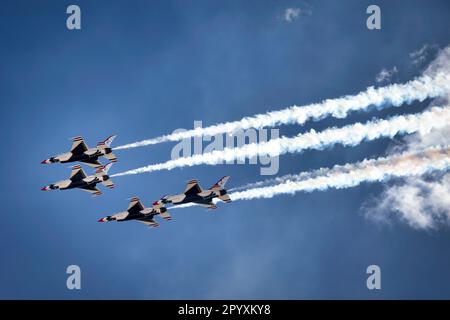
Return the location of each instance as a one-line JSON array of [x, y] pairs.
[[195, 194], [78, 179], [80, 152], [136, 211]]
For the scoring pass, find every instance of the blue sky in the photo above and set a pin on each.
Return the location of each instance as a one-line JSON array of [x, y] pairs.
[[141, 69]]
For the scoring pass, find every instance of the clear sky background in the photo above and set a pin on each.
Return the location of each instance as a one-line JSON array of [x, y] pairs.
[[141, 69]]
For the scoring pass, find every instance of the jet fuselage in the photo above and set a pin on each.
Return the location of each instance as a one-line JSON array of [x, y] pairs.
[[126, 216], [93, 153], [205, 196], [69, 184]]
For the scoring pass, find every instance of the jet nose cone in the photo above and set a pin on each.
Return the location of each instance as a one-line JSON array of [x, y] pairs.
[[45, 188], [101, 220], [46, 161]]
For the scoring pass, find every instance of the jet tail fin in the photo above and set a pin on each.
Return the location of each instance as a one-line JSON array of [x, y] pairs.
[[104, 169], [107, 142], [221, 183]]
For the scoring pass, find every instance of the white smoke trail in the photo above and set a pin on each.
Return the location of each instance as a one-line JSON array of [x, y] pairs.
[[375, 170], [282, 179], [392, 95], [423, 123], [422, 202]]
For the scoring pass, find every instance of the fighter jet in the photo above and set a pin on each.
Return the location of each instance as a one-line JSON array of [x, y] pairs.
[[195, 194], [136, 211], [78, 179], [81, 152]]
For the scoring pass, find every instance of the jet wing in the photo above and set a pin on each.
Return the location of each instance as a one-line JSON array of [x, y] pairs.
[[148, 211], [78, 146], [148, 221], [77, 173], [92, 163], [192, 188], [135, 205], [91, 189]]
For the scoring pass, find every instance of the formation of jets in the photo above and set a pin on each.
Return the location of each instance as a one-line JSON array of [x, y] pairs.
[[136, 210]]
